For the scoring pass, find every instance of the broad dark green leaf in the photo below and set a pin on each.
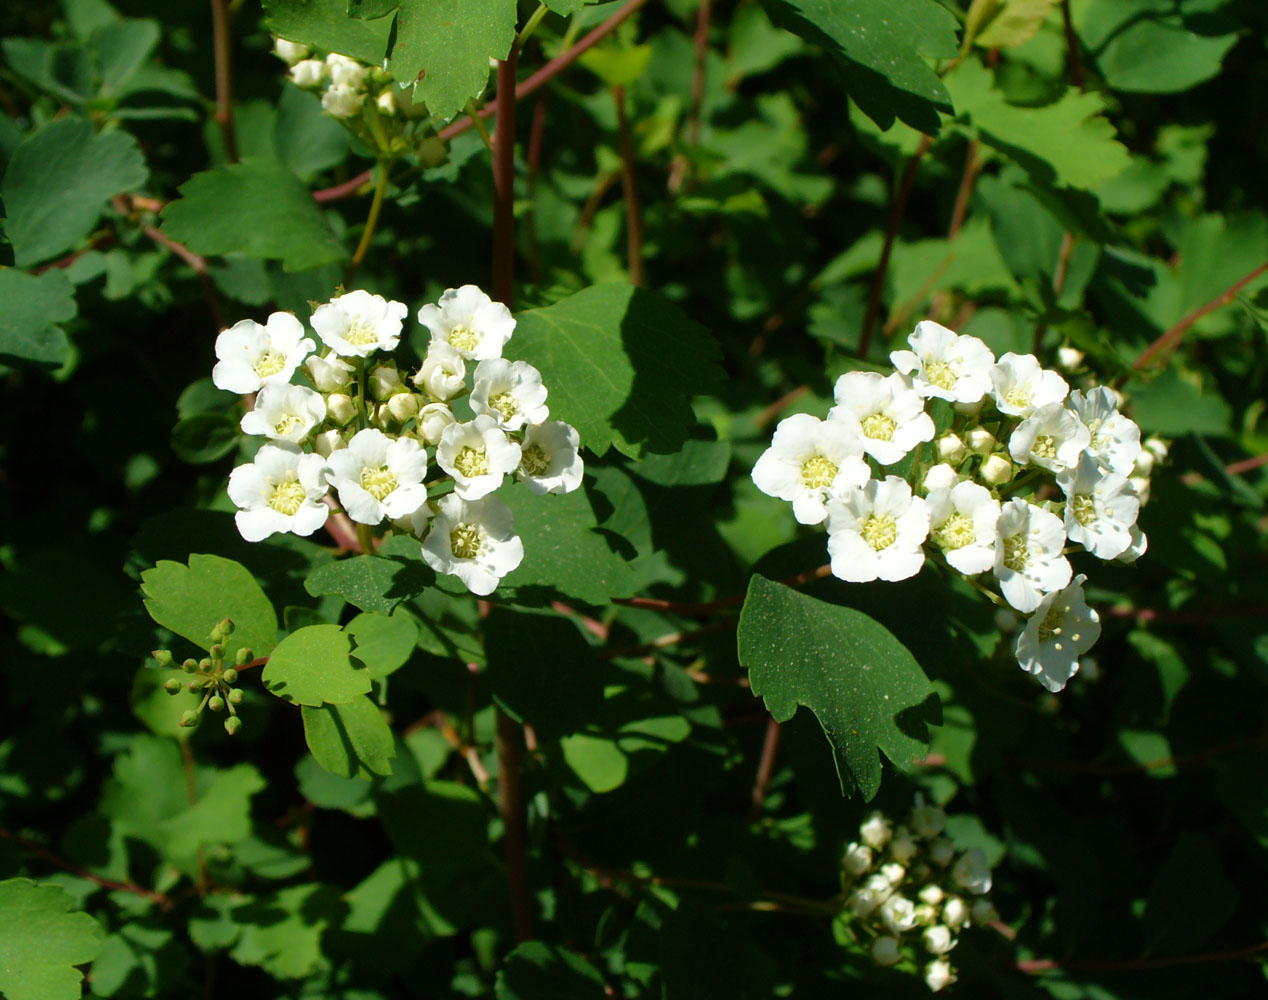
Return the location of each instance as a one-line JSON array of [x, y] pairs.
[[622, 365], [31, 309], [384, 642], [42, 941], [375, 583], [326, 24], [865, 688], [191, 599], [351, 740], [314, 666], [539, 971], [58, 182], [282, 932]]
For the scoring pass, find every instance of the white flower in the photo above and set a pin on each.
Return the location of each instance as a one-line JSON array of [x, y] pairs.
[[938, 975], [432, 421], [511, 392], [893, 872], [863, 901], [340, 408], [903, 847], [386, 102], [475, 541], [1157, 447], [858, 859], [280, 491], [470, 322], [971, 872], [996, 470], [1062, 628], [289, 52], [945, 365], [941, 852], [937, 939], [886, 951], [1144, 463], [1069, 357], [898, 914], [383, 381], [808, 461], [415, 522], [357, 324], [346, 72], [927, 821], [962, 523], [378, 477], [940, 477], [876, 532], [328, 441], [1028, 559], [443, 374], [885, 411], [549, 458], [329, 374], [308, 73], [477, 454], [931, 894], [1021, 385], [1113, 439], [285, 412], [252, 355], [1138, 547], [980, 440], [402, 406], [951, 449], [1143, 487], [1051, 437], [875, 830], [342, 102], [955, 912], [1101, 508]]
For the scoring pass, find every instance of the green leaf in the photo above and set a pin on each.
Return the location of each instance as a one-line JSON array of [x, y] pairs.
[[205, 437], [567, 7], [375, 583], [617, 65], [881, 46], [384, 642], [191, 600], [255, 207], [41, 942], [1067, 143], [446, 46], [564, 552], [866, 689], [282, 933], [351, 740], [623, 365], [31, 307], [221, 813], [1004, 24], [313, 666], [58, 183], [1172, 922], [326, 24], [539, 971]]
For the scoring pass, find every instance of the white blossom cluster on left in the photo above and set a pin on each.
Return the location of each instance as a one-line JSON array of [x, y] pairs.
[[1016, 467], [353, 433]]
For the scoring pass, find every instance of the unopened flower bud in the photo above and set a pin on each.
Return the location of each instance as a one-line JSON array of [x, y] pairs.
[[204, 664], [1144, 463], [996, 470], [858, 859], [903, 847], [926, 915], [1069, 357], [955, 912], [244, 656], [898, 914], [431, 152], [983, 911], [289, 52], [980, 440], [235, 696], [1156, 447], [886, 951], [443, 374], [189, 718], [941, 853], [937, 939], [1006, 621], [232, 724], [327, 442], [893, 872], [340, 408], [163, 657], [938, 975], [387, 102], [172, 686], [194, 685], [931, 894], [308, 73], [217, 651], [329, 374], [951, 449], [875, 831], [229, 676], [402, 406], [226, 627], [940, 477], [216, 703], [384, 381], [432, 421]]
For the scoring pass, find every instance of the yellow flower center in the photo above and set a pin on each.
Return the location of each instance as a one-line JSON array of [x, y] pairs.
[[287, 497], [818, 472], [472, 462], [880, 531], [465, 540], [359, 334], [270, 363], [378, 482], [464, 339], [940, 374], [1016, 557], [879, 427], [1018, 397], [287, 425], [505, 404], [534, 460], [1051, 624], [956, 532], [1045, 446], [1083, 507], [1098, 441]]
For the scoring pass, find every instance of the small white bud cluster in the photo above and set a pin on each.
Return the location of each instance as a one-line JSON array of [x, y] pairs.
[[347, 86], [361, 431], [913, 893], [972, 495]]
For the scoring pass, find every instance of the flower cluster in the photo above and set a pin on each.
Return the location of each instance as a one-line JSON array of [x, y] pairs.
[[913, 893], [346, 85], [357, 428], [210, 676], [1023, 467]]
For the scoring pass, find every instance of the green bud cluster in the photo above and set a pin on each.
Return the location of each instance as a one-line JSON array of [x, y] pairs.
[[210, 676]]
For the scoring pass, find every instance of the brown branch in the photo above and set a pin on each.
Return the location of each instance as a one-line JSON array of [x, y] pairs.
[[1141, 767], [896, 210], [224, 77], [769, 413], [665, 641], [1246, 464], [961, 208], [31, 847], [765, 769], [1036, 965], [1192, 617], [698, 71], [1072, 46], [510, 750], [710, 607], [633, 220], [1171, 339], [347, 188]]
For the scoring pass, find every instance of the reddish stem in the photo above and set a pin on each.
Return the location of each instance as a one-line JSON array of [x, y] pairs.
[[1246, 464], [31, 847], [765, 768], [1072, 46], [510, 751], [698, 71], [965, 190], [633, 220], [1167, 615], [1035, 965], [709, 607], [224, 76]]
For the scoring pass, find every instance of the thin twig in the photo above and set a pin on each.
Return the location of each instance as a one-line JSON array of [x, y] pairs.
[[698, 71], [971, 165], [1190, 617], [31, 847], [1058, 284], [372, 219], [1140, 767], [1246, 464], [510, 752], [224, 77], [1072, 46], [1036, 965], [710, 607], [633, 220], [765, 769], [769, 413], [665, 641]]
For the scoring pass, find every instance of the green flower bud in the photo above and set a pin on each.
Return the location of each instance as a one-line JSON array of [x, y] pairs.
[[235, 696], [232, 724], [217, 651], [244, 656], [204, 664], [189, 718], [163, 657], [172, 686], [226, 627], [189, 666], [229, 676], [216, 703]]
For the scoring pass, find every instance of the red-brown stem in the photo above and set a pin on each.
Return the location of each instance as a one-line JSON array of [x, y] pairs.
[[528, 86], [965, 190], [765, 768], [1138, 767], [510, 750], [504, 185], [31, 847], [709, 607], [535, 135], [1246, 464], [633, 220], [1036, 965], [765, 416], [896, 210], [698, 71], [665, 641], [1167, 615], [1171, 339], [224, 76], [1072, 46]]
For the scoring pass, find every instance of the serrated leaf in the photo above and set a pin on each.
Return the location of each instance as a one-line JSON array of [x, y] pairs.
[[377, 583], [314, 666], [41, 942], [1067, 143], [282, 933], [31, 309], [258, 208], [191, 600], [221, 813], [351, 740], [384, 642], [1004, 24], [623, 365], [58, 182], [867, 691], [446, 46], [326, 24], [539, 971], [881, 46]]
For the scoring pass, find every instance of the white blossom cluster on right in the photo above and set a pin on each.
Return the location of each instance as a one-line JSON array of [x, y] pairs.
[[348, 87], [913, 892], [979, 495]]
